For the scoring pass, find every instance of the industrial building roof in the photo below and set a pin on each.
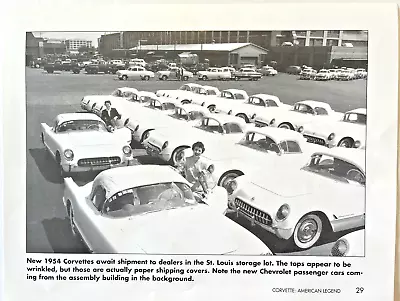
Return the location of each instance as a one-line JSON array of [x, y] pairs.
[[196, 47]]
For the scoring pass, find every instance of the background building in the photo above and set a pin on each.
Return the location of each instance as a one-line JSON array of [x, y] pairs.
[[218, 54], [76, 44]]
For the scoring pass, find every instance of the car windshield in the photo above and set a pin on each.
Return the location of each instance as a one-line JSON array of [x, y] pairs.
[[188, 116], [149, 198], [303, 108], [323, 71], [226, 94], [355, 118], [81, 125], [335, 168], [168, 106], [201, 91], [211, 92], [184, 88], [260, 143], [232, 128]]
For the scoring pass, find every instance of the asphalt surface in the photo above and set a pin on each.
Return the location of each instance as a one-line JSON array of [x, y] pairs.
[[48, 95]]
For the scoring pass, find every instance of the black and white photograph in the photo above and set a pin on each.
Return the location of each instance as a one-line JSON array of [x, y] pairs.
[[197, 142]]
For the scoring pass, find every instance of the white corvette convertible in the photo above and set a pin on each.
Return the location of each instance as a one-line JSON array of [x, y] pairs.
[[153, 115], [184, 94], [169, 144], [256, 104], [350, 131], [213, 102], [81, 142], [303, 112], [88, 102], [327, 194], [150, 209]]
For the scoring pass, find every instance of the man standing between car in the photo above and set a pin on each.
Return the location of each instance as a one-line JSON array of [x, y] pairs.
[[110, 115]]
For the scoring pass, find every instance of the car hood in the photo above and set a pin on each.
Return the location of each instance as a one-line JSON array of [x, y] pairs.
[[304, 187], [120, 137], [191, 230], [325, 128]]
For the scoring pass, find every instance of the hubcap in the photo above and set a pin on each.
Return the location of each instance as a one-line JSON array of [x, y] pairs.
[[178, 156], [345, 144], [307, 230], [227, 181]]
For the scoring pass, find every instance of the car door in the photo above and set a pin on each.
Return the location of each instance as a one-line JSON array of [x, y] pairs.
[[135, 73], [88, 217], [172, 73]]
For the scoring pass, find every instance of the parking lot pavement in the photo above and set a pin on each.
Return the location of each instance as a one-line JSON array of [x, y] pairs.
[[51, 94]]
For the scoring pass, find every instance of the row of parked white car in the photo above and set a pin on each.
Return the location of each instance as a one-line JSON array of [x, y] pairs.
[[270, 175], [137, 72], [333, 74]]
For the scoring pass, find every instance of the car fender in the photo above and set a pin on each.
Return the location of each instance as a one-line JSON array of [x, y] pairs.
[[217, 199]]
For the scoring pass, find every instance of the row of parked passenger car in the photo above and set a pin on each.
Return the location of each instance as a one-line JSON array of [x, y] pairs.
[[333, 74], [168, 122]]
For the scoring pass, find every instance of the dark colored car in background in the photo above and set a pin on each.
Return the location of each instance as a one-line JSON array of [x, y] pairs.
[[105, 68], [293, 70], [59, 66]]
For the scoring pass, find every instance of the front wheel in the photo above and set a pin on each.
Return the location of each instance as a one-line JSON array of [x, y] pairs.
[[227, 178], [185, 78], [205, 77], [164, 77], [237, 78], [286, 126], [177, 155], [307, 231], [146, 77], [124, 77], [347, 143], [244, 117]]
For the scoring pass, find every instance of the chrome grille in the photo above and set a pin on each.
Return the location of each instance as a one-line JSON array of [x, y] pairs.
[[252, 212], [260, 124], [101, 161], [314, 140]]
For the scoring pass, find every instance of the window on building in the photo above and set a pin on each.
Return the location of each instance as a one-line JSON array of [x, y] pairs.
[[332, 42], [301, 42], [316, 42], [317, 33], [302, 33]]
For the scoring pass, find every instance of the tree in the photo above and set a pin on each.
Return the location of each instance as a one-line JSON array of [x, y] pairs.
[[83, 49]]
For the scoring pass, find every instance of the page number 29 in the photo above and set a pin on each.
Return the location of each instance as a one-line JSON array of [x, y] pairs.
[[359, 290]]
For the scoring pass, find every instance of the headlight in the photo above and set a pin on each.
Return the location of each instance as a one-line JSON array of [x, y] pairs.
[[165, 145], [282, 212], [331, 136], [272, 121], [127, 150], [254, 116], [340, 248], [146, 135], [300, 129], [357, 144], [232, 186], [68, 154]]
